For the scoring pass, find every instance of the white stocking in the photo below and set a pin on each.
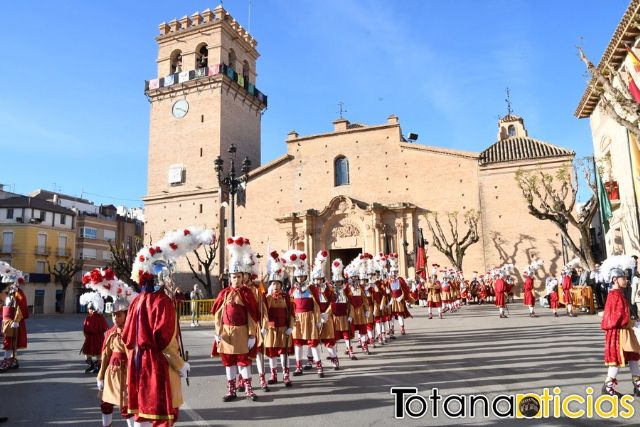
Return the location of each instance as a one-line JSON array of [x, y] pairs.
[[298, 351], [232, 372], [401, 320], [244, 372], [370, 334], [501, 311], [348, 343], [531, 309], [272, 363], [331, 351], [634, 366], [8, 354], [612, 372], [378, 329], [309, 352], [142, 424], [569, 308], [260, 363], [131, 422], [315, 353], [106, 419], [439, 311], [430, 311], [283, 361]]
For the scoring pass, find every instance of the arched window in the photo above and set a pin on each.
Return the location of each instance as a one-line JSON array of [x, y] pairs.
[[232, 59], [246, 71], [202, 56], [341, 171], [176, 62], [511, 131]]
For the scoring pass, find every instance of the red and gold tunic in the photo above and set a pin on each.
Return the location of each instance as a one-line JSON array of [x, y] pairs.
[[325, 298], [620, 342], [341, 309], [434, 298], [279, 319], [150, 335], [113, 368], [399, 297], [306, 313], [235, 318], [94, 328]]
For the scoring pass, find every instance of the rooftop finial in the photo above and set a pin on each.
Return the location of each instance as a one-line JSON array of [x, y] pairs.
[[342, 109], [508, 100]]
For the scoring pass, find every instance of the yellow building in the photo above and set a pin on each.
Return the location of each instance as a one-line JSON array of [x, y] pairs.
[[33, 233]]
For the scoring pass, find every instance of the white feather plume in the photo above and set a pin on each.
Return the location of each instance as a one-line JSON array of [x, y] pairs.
[[94, 299], [623, 262]]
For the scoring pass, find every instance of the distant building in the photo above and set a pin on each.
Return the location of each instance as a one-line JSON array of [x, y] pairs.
[[98, 227], [36, 232]]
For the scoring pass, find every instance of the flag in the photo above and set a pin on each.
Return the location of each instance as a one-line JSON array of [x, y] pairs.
[[632, 66], [605, 205], [213, 70], [421, 262], [635, 165], [241, 80], [224, 196], [183, 76], [154, 84], [169, 80]]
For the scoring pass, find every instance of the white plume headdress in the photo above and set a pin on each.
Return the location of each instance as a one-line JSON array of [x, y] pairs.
[[616, 266], [94, 300]]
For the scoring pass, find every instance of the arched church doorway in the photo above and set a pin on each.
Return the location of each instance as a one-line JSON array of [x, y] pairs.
[[346, 254]]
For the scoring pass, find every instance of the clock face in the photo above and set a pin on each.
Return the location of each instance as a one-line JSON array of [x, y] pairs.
[[180, 108]]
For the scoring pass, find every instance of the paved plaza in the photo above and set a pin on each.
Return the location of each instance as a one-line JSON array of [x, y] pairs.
[[469, 352]]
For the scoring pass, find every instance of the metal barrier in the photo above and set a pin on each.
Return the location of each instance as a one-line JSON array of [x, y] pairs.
[[199, 309]]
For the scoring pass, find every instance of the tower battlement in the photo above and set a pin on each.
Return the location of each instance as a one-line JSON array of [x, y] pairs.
[[205, 18]]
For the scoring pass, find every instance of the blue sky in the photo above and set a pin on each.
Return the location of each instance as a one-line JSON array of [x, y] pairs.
[[73, 116]]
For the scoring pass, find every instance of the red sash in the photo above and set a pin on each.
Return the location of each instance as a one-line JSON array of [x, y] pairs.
[[234, 315], [303, 305], [8, 313]]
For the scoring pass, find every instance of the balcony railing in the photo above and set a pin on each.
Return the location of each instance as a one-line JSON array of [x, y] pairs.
[[200, 73], [6, 249], [43, 250]]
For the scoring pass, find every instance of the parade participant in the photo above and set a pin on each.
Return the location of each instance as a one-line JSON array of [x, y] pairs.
[[500, 288], [307, 319], [14, 313], [112, 376], [379, 301], [236, 321], [359, 304], [325, 297], [93, 328], [528, 290], [566, 291], [278, 329], [250, 276], [434, 299], [445, 292], [368, 294], [340, 308], [151, 334], [413, 290], [621, 344], [399, 295]]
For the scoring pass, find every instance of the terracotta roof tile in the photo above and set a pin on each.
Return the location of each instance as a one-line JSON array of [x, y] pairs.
[[521, 148]]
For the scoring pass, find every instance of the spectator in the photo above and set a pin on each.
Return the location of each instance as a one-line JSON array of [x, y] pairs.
[[600, 286], [196, 295]]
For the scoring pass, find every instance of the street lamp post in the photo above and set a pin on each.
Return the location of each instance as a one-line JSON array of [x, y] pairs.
[[231, 181]]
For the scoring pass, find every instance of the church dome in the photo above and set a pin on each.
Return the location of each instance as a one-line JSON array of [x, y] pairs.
[[521, 148]]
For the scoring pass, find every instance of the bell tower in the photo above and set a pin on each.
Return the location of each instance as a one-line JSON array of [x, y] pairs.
[[203, 99]]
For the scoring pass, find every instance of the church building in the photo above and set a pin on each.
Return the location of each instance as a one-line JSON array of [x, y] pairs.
[[359, 187]]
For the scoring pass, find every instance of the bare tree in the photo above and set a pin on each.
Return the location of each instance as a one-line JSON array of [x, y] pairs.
[[63, 273], [616, 100], [553, 197], [122, 258], [206, 263], [455, 248]]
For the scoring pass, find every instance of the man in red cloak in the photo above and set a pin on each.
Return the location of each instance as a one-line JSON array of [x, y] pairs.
[[14, 313], [154, 362]]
